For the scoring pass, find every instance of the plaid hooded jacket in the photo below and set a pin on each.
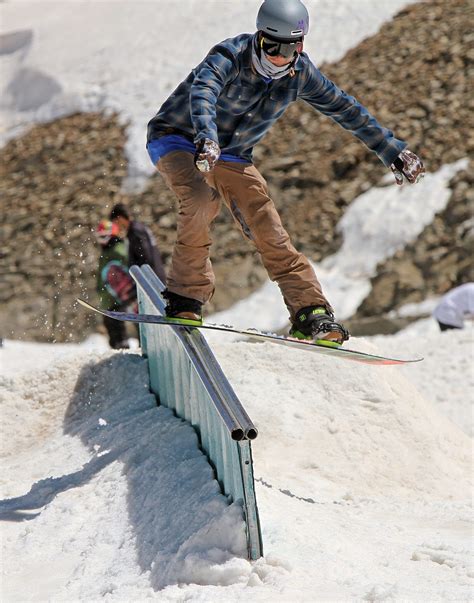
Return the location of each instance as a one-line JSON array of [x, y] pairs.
[[226, 100]]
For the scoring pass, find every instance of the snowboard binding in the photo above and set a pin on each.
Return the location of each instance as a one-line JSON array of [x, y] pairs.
[[318, 324]]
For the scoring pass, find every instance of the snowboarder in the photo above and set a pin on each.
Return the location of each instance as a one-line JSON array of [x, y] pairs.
[[454, 306], [142, 248], [115, 286], [212, 121]]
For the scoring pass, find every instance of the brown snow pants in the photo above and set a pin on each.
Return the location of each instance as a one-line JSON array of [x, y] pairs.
[[245, 193]]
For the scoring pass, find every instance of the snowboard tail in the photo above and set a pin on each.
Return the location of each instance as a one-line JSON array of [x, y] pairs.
[[255, 335]]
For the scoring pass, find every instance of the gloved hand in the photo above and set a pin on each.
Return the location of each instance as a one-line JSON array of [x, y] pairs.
[[207, 153], [407, 165]]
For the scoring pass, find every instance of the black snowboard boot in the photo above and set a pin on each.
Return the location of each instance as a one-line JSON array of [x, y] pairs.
[[317, 323], [182, 308]]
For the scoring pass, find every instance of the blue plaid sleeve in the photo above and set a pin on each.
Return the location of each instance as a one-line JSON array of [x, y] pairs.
[[211, 76], [322, 94]]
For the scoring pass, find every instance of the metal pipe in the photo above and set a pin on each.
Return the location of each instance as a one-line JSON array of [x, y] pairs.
[[227, 417], [220, 392], [210, 371]]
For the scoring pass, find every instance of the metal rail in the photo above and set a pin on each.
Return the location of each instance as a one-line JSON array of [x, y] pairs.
[[186, 377]]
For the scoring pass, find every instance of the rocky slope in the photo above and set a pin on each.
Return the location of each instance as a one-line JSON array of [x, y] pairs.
[[60, 178]]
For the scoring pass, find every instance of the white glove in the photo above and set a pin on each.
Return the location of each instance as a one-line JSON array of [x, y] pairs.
[[207, 154], [407, 165]]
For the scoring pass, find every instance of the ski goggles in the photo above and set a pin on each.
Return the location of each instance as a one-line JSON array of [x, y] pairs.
[[275, 48]]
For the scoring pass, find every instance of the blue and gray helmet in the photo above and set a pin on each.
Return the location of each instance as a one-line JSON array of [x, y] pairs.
[[283, 19]]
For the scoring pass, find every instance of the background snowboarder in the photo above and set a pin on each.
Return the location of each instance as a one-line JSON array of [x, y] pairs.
[[115, 286], [142, 248]]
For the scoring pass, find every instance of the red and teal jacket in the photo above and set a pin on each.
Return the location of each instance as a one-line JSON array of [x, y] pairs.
[[115, 287]]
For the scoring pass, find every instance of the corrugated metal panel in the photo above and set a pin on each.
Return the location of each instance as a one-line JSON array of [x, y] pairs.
[[186, 377]]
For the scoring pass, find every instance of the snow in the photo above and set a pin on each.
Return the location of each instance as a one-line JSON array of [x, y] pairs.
[[389, 218], [446, 372], [109, 467], [362, 454], [362, 473]]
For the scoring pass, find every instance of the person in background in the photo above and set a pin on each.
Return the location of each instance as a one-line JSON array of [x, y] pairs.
[[201, 141], [142, 247], [455, 306], [115, 287]]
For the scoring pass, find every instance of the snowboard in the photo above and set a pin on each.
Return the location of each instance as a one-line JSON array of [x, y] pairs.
[[328, 348]]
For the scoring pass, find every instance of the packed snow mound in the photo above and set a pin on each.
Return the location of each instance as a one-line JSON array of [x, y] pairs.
[[349, 429], [346, 454], [446, 373], [95, 436]]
